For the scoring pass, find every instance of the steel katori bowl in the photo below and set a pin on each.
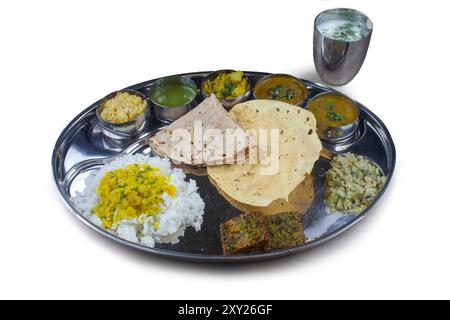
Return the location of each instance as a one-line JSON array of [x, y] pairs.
[[299, 82], [227, 103], [123, 132], [337, 134], [168, 114]]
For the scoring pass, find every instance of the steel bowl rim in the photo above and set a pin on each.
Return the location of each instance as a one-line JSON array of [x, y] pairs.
[[158, 83], [348, 126], [214, 74], [110, 96], [284, 75], [335, 93]]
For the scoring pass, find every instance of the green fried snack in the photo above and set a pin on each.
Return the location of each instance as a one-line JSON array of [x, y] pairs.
[[285, 231], [243, 234]]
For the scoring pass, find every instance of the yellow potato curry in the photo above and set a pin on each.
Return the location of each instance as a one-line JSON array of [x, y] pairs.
[[227, 85]]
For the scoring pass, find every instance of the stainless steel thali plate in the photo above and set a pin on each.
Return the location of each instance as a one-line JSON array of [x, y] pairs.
[[81, 148]]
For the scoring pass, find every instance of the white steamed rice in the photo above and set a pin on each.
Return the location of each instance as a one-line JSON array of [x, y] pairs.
[[184, 210]]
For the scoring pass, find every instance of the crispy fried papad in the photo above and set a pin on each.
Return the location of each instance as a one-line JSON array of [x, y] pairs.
[[298, 148], [299, 200]]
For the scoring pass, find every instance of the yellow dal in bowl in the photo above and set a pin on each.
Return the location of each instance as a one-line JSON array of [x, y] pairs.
[[333, 110]]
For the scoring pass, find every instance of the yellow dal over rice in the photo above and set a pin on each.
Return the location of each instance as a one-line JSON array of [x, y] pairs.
[[131, 192]]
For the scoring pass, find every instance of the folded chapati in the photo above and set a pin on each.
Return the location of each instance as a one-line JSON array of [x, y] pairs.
[[199, 137]]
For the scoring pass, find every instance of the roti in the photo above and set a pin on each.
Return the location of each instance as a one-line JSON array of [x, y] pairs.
[[298, 149], [207, 116]]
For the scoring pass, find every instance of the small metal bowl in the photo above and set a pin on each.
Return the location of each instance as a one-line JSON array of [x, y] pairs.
[[168, 114], [230, 103], [340, 134], [268, 77], [122, 131]]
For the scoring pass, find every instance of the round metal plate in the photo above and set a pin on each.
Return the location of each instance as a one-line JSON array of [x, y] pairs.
[[82, 148]]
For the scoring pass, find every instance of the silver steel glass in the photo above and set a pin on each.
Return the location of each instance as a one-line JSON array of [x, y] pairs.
[[338, 60]]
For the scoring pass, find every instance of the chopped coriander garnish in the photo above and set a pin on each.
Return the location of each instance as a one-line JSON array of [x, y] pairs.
[[329, 105], [290, 94], [348, 25], [275, 92], [228, 89], [333, 116], [344, 30]]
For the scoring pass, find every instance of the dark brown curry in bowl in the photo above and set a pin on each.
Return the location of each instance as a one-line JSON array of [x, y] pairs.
[[281, 87]]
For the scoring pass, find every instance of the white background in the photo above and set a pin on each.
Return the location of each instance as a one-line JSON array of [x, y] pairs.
[[57, 57]]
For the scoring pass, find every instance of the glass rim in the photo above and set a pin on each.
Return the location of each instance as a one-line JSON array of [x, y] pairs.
[[356, 12]]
